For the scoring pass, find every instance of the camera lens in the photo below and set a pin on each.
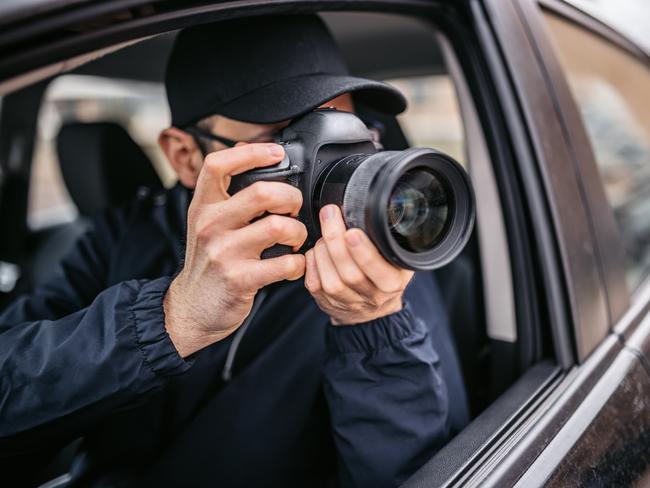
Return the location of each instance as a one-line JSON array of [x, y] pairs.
[[418, 210], [417, 206]]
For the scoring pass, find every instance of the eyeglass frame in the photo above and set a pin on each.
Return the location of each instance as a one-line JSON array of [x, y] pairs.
[[198, 132], [377, 128]]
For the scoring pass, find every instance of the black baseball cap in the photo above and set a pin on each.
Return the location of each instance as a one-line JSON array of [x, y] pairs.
[[264, 70]]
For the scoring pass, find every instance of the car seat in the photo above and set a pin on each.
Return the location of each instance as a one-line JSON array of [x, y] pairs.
[[102, 167]]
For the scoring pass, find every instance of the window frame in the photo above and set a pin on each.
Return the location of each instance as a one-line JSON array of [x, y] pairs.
[[592, 250], [626, 307]]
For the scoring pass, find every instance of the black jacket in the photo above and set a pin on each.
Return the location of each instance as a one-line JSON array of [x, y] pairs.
[[88, 355]]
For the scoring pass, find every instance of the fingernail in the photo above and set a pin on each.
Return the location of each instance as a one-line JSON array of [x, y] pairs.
[[327, 212], [353, 238], [276, 150]]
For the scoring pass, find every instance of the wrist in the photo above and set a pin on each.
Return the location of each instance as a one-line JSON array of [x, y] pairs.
[[389, 308], [182, 328]]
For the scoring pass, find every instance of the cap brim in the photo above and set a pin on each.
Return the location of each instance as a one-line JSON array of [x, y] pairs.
[[290, 98]]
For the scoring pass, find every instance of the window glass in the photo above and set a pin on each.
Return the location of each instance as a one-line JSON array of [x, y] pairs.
[[139, 107], [432, 118], [611, 90]]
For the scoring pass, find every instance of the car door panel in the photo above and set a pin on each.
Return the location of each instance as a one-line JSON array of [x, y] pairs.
[[561, 423], [604, 443], [618, 374]]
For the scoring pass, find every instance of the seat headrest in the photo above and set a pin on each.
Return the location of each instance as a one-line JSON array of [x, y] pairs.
[[102, 166]]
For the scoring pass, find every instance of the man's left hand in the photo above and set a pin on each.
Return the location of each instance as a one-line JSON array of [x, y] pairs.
[[348, 277]]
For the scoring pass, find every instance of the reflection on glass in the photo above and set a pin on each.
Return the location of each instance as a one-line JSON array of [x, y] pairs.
[[611, 89]]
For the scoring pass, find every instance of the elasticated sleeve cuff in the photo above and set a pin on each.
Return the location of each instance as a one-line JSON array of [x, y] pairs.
[[152, 337], [375, 334]]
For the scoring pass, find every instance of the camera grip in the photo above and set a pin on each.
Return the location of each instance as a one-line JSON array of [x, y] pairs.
[[276, 251]]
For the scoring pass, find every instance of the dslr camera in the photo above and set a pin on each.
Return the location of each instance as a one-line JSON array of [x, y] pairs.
[[417, 206]]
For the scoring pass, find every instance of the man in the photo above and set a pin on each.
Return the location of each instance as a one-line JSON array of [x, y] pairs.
[[336, 374]]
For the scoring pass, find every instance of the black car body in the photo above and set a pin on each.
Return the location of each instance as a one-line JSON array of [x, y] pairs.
[[556, 346]]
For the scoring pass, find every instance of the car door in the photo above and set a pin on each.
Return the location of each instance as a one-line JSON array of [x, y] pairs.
[[553, 227], [595, 429]]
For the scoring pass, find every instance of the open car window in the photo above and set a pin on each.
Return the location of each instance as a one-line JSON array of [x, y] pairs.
[[477, 287]]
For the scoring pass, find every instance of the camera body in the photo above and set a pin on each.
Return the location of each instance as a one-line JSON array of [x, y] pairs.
[[417, 205], [312, 144]]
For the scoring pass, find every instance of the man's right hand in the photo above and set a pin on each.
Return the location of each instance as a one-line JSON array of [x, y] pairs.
[[213, 294]]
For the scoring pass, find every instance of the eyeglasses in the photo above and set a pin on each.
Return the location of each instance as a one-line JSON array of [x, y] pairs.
[[198, 132], [376, 127]]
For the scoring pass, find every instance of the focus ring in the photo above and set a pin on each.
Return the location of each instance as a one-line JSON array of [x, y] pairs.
[[357, 191]]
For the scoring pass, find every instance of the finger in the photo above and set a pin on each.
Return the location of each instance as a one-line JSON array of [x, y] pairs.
[[246, 205], [384, 275], [330, 280], [312, 280], [258, 198], [264, 233], [267, 271], [333, 230], [218, 167]]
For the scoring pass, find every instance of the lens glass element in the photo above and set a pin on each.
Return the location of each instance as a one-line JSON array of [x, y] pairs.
[[418, 210]]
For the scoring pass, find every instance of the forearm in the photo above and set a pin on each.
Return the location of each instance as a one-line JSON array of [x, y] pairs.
[[100, 358], [387, 398]]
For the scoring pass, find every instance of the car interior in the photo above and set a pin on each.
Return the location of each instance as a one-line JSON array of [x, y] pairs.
[[99, 163]]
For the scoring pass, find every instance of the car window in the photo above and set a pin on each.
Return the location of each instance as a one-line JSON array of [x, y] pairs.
[[140, 107], [477, 292], [611, 90], [477, 286]]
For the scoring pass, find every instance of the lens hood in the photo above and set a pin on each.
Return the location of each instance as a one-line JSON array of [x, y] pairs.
[[366, 197]]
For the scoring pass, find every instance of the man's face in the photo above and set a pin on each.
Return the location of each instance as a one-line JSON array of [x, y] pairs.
[[186, 157]]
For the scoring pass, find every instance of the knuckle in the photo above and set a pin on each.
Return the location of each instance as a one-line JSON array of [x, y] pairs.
[[330, 235], [294, 194], [352, 277], [364, 260], [389, 287], [293, 265], [230, 275], [383, 302], [260, 192], [301, 231], [338, 253], [312, 286], [213, 163], [202, 233], [275, 225], [203, 230], [215, 256], [333, 287]]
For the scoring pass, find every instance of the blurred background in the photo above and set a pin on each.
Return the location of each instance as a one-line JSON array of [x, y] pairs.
[[432, 120]]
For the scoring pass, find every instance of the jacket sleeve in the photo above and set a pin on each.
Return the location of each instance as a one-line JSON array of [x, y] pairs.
[[71, 352], [387, 399]]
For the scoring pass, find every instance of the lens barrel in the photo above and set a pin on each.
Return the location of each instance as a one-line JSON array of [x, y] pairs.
[[417, 205]]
